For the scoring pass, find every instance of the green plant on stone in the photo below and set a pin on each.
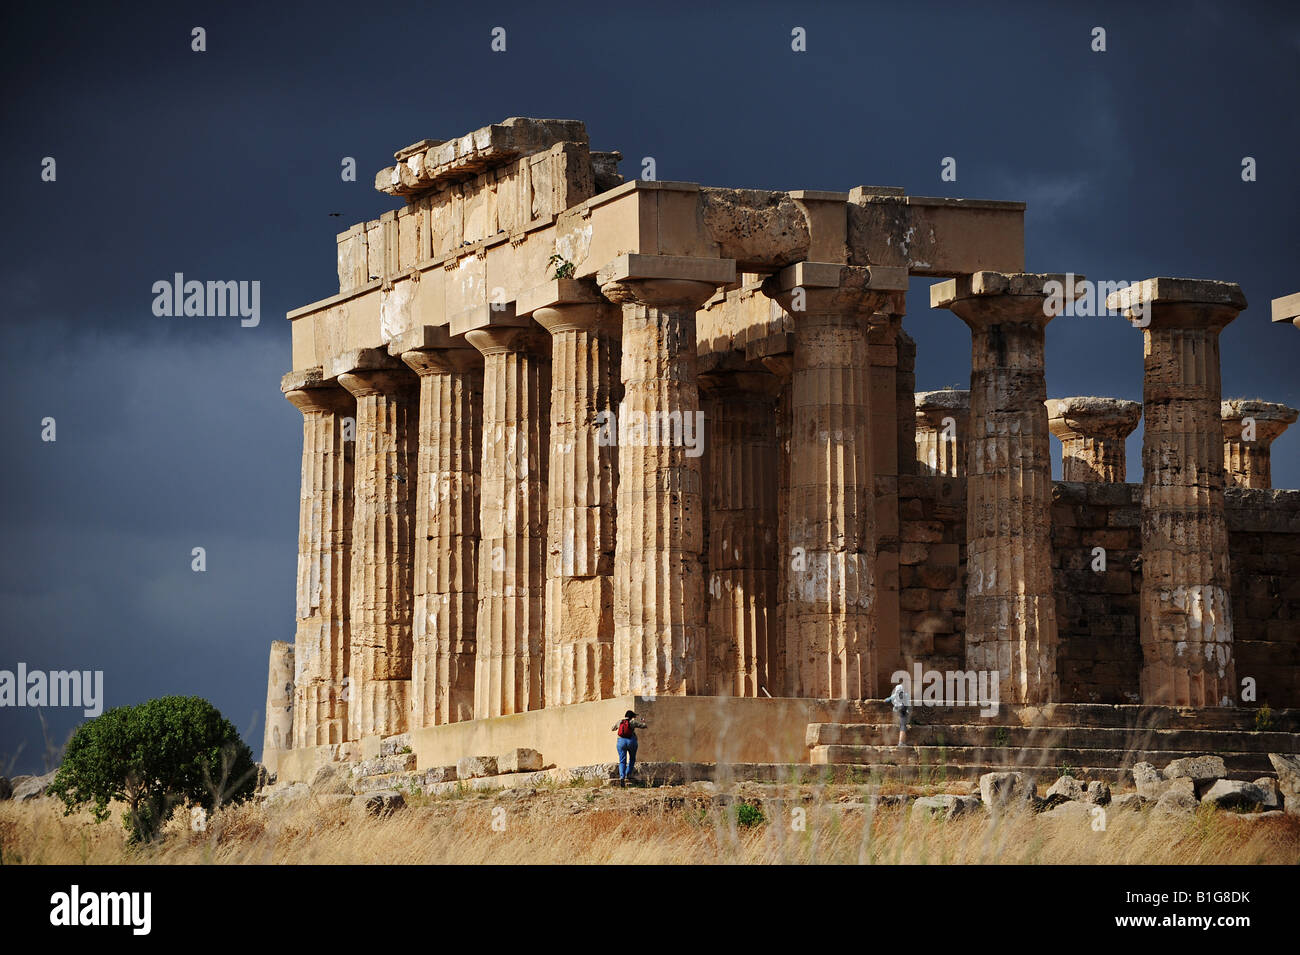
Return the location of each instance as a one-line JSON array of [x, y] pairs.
[[563, 267], [747, 814], [1001, 737], [1263, 719]]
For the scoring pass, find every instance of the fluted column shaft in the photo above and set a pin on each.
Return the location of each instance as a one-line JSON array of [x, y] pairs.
[[383, 522], [445, 604], [321, 642], [1010, 598], [512, 550], [1186, 610], [742, 485], [659, 610], [1092, 432], [942, 425], [582, 480]]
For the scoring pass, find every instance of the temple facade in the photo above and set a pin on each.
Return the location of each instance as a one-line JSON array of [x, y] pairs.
[[568, 438]]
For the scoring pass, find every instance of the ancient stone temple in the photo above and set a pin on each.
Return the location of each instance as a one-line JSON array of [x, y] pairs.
[[574, 444]]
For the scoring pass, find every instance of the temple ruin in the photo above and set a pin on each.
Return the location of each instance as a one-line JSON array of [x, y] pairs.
[[572, 442]]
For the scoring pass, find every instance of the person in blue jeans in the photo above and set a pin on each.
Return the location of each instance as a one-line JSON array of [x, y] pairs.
[[626, 729]]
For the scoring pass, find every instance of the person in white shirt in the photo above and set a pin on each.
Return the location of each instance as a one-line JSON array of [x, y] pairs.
[[902, 708]]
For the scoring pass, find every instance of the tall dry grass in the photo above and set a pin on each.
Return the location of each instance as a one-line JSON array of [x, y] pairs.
[[674, 825]]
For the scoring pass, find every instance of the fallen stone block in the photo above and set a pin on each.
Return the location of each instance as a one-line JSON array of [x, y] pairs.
[[1071, 809], [469, 767], [1003, 792], [1065, 789], [31, 787], [1148, 781], [1288, 781], [1098, 793], [942, 807], [519, 761], [396, 763], [1272, 795], [1234, 794], [381, 803], [1199, 769], [1127, 802], [285, 793], [332, 779], [1180, 797]]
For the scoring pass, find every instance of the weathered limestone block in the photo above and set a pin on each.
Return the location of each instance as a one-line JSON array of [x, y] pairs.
[[741, 479], [1272, 795], [279, 699], [1249, 430], [383, 519], [1287, 309], [1098, 793], [1233, 794], [1007, 792], [942, 431], [445, 612], [1186, 612], [322, 640], [582, 482], [1148, 781], [1010, 600], [1092, 433], [470, 767], [511, 632], [830, 627], [519, 761], [1178, 798], [1288, 780], [1199, 769], [659, 610], [1066, 788]]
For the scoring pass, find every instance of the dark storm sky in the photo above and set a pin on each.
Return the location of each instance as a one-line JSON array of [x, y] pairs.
[[172, 432]]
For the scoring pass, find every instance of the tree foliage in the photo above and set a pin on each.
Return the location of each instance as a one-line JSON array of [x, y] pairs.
[[154, 756]]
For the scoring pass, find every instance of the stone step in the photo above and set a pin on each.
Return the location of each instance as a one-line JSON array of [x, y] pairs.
[[384, 764], [1075, 715], [1043, 760], [1072, 737], [401, 781]]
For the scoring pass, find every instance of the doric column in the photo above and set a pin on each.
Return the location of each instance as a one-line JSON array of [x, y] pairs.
[[741, 492], [830, 610], [512, 518], [582, 481], [1010, 602], [942, 427], [659, 610], [321, 642], [1092, 432], [445, 603], [281, 702], [1249, 430], [1186, 623], [383, 523]]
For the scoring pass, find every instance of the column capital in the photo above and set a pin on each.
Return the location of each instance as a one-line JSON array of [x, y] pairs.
[[727, 372], [459, 359], [826, 287], [664, 281], [933, 406], [308, 391], [1270, 420], [505, 339], [998, 298], [1178, 303], [1088, 417], [374, 372]]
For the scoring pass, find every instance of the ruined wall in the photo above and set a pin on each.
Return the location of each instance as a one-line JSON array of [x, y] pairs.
[[1264, 541], [1099, 659], [932, 571]]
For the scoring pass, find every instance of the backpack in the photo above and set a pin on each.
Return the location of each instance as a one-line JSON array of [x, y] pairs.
[[625, 729]]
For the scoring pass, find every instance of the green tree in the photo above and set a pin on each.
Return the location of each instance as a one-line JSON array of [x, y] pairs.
[[154, 756]]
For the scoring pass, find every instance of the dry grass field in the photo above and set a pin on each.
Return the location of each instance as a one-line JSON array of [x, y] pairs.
[[673, 825]]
